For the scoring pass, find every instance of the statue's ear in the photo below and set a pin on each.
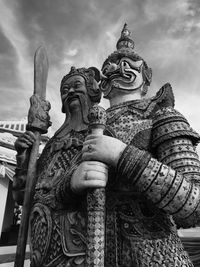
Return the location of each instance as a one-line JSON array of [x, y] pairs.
[[97, 74], [148, 76]]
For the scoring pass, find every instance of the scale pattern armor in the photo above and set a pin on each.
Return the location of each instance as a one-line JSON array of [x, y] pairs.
[[154, 188], [156, 184]]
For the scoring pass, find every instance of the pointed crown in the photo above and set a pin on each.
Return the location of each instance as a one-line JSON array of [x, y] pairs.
[[125, 48], [125, 40]]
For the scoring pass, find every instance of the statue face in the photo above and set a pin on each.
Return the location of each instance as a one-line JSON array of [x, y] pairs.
[[72, 90], [124, 75]]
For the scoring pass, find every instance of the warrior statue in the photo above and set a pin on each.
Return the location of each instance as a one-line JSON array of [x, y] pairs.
[[154, 172], [153, 183], [57, 222]]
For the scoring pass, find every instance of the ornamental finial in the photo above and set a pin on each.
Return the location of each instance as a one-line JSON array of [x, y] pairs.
[[97, 117], [125, 41]]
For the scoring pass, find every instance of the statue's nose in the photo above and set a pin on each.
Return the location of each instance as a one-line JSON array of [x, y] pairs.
[[123, 66], [71, 89], [112, 68]]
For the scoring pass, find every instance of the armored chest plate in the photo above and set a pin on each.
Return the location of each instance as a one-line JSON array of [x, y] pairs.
[[131, 129]]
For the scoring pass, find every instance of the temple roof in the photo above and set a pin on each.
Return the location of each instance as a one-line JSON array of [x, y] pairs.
[[17, 127], [14, 127], [9, 131]]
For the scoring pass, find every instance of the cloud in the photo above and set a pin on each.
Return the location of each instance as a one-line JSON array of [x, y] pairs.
[[15, 68], [7, 66], [72, 52], [84, 32], [11, 30]]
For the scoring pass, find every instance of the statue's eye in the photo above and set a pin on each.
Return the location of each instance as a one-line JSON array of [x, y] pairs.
[[77, 84], [65, 89], [125, 64]]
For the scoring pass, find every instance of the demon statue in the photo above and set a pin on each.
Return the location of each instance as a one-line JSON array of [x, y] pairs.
[[153, 185], [57, 223]]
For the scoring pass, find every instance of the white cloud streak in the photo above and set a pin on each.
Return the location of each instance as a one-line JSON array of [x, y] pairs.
[[11, 30]]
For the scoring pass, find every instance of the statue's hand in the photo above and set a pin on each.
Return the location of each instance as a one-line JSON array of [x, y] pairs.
[[24, 141], [103, 148], [89, 174]]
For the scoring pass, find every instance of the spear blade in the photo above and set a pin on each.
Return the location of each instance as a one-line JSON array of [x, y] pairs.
[[41, 66], [40, 79]]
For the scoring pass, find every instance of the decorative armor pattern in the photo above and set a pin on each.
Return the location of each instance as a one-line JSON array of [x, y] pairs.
[[96, 206], [151, 171], [173, 191], [169, 123], [152, 182], [42, 228], [96, 201], [181, 155], [58, 228]]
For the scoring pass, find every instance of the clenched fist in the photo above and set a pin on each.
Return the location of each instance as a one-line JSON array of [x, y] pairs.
[[103, 148], [89, 174], [25, 140]]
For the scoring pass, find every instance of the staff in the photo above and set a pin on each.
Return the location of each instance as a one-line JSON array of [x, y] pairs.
[[96, 202], [37, 124]]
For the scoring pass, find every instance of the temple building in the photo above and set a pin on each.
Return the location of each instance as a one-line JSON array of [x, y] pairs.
[[10, 212]]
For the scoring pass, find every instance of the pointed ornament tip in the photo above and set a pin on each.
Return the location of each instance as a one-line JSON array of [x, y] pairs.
[[125, 41], [125, 31], [41, 53], [41, 48], [41, 66]]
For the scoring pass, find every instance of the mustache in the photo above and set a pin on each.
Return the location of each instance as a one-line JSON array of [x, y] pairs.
[[69, 96], [84, 104]]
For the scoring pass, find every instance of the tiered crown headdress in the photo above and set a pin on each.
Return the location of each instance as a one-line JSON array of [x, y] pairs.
[[125, 48], [91, 76], [87, 74], [125, 41]]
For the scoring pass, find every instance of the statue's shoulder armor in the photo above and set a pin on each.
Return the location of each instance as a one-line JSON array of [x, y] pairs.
[[164, 97], [168, 122]]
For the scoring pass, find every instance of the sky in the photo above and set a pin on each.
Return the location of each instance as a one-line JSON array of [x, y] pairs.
[[83, 33]]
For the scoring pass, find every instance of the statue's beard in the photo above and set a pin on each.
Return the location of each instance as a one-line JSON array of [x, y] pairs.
[[126, 81], [84, 107]]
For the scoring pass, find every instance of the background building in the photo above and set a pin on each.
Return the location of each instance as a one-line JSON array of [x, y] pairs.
[[10, 212]]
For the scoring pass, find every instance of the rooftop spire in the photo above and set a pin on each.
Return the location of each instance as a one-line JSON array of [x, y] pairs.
[[125, 41]]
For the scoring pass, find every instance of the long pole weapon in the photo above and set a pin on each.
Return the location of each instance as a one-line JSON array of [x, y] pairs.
[[96, 202], [36, 123]]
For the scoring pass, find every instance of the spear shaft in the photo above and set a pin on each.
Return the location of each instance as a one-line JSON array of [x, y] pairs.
[[40, 78], [96, 202]]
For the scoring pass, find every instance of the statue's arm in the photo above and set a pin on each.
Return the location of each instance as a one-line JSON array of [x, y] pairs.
[[171, 179], [22, 145], [82, 175], [39, 120], [180, 154]]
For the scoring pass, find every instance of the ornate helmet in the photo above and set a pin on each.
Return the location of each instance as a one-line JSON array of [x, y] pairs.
[[91, 76], [125, 49]]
